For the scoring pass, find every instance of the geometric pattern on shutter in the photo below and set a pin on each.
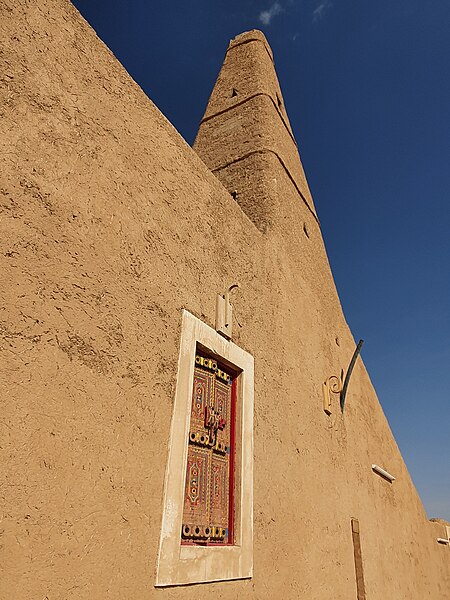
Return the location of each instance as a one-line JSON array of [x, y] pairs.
[[208, 498]]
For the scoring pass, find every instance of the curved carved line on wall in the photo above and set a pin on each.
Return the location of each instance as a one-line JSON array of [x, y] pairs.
[[270, 151], [221, 112], [253, 39]]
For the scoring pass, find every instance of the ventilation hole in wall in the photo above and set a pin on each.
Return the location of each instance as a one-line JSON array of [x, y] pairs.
[[305, 230], [234, 93], [280, 104], [234, 194], [336, 339]]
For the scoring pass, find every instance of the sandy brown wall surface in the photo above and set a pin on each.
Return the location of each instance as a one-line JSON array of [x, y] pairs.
[[110, 226]]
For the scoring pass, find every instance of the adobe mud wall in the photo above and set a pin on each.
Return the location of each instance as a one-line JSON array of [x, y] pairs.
[[110, 226]]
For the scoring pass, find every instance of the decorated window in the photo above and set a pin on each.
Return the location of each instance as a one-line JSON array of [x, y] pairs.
[[208, 514], [207, 520]]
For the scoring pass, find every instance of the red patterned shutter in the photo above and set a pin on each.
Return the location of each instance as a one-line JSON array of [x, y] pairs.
[[209, 493]]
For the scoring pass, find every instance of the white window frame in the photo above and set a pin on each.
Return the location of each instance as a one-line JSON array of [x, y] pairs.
[[186, 564]]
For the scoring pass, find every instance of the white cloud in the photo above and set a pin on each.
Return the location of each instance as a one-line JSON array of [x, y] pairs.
[[266, 16], [320, 10]]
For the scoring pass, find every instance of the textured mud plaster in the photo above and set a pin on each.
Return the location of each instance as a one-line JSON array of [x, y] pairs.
[[179, 564], [110, 226]]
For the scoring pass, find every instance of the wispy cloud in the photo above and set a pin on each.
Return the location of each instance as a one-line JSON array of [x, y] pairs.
[[266, 16], [321, 9]]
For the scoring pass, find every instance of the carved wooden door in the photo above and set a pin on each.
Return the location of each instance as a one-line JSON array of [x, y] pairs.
[[209, 493]]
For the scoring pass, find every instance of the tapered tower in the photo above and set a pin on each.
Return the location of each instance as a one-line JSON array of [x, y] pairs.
[[245, 137]]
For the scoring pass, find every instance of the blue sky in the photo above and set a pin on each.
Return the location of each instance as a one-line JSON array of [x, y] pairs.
[[367, 88]]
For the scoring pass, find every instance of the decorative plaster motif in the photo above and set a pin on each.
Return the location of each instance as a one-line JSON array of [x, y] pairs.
[[333, 384]]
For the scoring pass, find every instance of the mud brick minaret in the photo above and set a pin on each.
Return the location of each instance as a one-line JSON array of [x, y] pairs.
[[245, 137]]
